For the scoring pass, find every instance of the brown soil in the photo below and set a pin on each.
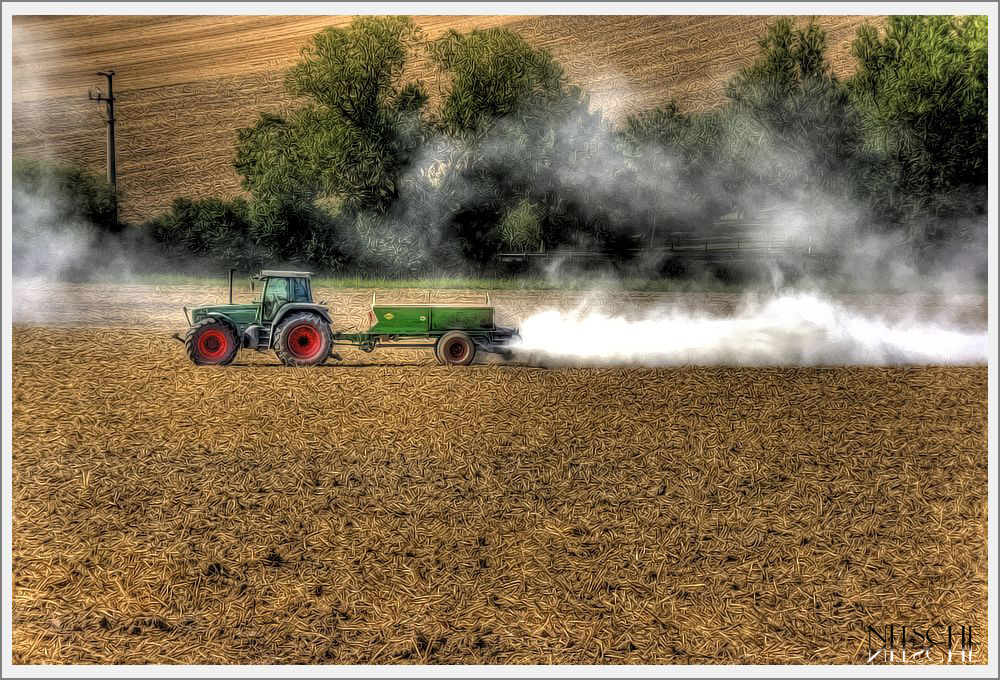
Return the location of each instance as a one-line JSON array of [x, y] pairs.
[[393, 511], [185, 85]]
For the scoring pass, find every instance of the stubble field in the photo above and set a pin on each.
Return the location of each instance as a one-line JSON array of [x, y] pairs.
[[388, 510]]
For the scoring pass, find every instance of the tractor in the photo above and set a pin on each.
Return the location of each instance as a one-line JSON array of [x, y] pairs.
[[300, 332]]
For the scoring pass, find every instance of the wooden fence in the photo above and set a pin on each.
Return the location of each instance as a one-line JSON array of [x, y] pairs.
[[712, 249]]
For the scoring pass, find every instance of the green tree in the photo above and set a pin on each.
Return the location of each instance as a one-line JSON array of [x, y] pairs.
[[355, 125], [922, 89], [494, 74], [790, 125], [788, 129], [675, 156], [272, 162], [527, 138], [788, 59]]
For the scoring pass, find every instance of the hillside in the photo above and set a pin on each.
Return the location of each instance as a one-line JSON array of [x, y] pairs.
[[185, 84]]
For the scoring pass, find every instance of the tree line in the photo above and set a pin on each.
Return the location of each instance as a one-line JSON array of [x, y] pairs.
[[362, 174]]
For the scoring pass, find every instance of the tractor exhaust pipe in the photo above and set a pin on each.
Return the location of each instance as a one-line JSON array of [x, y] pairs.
[[231, 272]]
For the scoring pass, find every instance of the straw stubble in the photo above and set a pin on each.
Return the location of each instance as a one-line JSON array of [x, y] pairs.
[[401, 512]]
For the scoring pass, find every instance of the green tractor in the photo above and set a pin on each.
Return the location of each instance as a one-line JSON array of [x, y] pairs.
[[286, 319]]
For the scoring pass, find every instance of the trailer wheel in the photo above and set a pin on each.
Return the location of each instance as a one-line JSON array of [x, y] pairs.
[[302, 339], [211, 342], [456, 349]]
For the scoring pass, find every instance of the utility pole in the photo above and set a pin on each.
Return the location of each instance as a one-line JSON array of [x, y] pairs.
[[109, 102]]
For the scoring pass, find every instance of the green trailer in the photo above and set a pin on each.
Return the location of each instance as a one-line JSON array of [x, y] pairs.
[[300, 332]]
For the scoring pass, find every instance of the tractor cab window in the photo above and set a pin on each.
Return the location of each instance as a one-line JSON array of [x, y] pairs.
[[275, 295], [300, 291]]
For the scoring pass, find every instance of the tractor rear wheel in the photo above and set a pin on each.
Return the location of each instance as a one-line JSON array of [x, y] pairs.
[[211, 342], [456, 349], [302, 339]]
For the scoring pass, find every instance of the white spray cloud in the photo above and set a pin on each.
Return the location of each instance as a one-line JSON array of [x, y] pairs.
[[794, 329], [51, 244]]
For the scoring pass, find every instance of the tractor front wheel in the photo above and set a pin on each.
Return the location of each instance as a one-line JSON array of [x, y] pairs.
[[211, 342], [456, 349], [302, 339]]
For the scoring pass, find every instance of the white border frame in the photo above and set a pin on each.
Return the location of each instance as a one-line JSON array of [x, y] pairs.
[[500, 8]]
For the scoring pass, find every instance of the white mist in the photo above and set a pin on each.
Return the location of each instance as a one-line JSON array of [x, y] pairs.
[[794, 329]]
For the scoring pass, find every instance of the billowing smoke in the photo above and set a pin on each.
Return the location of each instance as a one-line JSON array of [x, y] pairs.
[[794, 211], [54, 243], [793, 329]]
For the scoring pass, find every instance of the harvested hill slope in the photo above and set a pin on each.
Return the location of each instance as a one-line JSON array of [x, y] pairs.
[[186, 84]]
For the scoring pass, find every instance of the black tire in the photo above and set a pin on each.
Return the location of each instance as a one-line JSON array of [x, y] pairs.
[[455, 349], [302, 339], [211, 342]]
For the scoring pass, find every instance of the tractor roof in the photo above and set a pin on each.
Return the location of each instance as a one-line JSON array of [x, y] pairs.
[[276, 272]]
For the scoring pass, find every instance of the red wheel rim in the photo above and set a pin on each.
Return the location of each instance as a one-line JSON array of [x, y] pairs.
[[213, 344], [304, 342], [456, 350]]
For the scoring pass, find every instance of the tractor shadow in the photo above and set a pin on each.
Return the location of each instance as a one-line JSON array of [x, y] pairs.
[[331, 366], [328, 366]]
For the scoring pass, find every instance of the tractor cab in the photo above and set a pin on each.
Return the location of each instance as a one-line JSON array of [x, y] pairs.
[[280, 288]]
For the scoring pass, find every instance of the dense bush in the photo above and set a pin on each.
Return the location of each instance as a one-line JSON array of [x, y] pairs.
[[210, 228], [70, 195]]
